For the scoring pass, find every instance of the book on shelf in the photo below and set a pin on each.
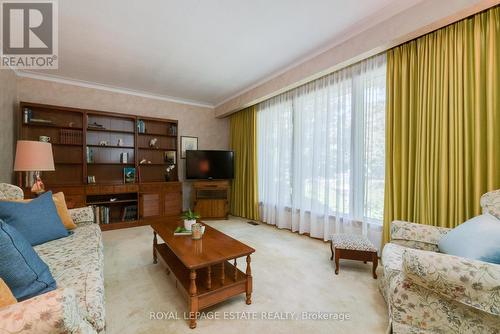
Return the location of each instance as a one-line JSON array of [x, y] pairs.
[[129, 213], [141, 126], [40, 121]]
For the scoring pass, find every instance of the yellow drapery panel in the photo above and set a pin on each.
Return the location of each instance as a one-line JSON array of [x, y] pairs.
[[443, 123], [243, 141]]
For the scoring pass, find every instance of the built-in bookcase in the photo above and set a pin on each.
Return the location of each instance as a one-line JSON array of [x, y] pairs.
[[93, 150]]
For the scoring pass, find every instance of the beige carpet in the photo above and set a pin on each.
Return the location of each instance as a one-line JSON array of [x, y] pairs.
[[292, 273]]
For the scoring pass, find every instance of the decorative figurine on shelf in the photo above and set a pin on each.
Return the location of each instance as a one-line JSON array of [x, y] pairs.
[[152, 142], [120, 142], [168, 170], [103, 143]]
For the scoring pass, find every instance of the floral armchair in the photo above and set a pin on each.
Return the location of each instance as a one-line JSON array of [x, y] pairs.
[[431, 292]]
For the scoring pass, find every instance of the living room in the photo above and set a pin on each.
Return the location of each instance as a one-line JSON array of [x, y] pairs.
[[222, 166]]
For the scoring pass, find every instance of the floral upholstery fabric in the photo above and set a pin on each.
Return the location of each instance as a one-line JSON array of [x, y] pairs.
[[392, 258], [52, 312], [76, 262], [82, 215], [420, 236], [415, 309], [490, 203], [470, 282], [429, 292], [10, 192], [352, 241]]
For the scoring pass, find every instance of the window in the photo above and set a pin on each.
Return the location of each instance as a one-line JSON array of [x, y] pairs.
[[321, 150]]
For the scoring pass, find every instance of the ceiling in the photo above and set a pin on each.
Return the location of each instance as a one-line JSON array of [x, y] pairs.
[[203, 51]]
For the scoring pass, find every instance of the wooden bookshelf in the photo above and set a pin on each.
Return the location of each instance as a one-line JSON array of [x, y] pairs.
[[90, 143]]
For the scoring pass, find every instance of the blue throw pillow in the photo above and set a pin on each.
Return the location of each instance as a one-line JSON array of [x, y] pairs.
[[37, 220], [20, 266], [477, 239]]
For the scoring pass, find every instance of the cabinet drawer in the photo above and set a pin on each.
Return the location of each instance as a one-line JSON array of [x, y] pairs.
[[69, 190], [172, 187], [75, 201], [146, 188], [93, 190]]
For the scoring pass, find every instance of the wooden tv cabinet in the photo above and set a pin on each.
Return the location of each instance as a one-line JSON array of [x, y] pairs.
[[211, 198]]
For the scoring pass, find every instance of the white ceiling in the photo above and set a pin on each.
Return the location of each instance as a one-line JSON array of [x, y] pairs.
[[202, 50]]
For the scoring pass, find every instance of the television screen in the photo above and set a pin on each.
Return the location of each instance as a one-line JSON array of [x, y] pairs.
[[209, 165]]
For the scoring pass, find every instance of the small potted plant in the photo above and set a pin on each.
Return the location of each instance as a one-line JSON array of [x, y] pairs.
[[189, 218]]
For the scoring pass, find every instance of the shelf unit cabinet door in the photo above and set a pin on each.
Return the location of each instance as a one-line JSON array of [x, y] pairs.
[[172, 199], [172, 203], [211, 208], [150, 205]]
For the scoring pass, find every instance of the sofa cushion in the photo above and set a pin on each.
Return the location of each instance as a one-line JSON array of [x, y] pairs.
[[20, 266], [36, 220], [77, 263], [62, 210], [6, 296], [477, 239]]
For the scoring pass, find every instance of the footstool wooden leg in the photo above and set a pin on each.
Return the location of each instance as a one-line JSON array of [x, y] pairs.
[[337, 258], [375, 264], [331, 248]]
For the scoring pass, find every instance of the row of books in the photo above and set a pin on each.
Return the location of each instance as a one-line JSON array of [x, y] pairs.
[[102, 215], [70, 136]]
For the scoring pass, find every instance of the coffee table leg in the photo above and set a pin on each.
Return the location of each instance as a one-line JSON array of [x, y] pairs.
[[249, 282], [209, 277], [193, 300], [337, 258], [375, 264], [155, 243]]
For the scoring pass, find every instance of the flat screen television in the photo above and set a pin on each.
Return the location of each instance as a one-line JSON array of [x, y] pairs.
[[209, 165]]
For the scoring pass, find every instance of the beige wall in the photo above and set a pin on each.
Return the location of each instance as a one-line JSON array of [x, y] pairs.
[[8, 105], [194, 121], [424, 17]]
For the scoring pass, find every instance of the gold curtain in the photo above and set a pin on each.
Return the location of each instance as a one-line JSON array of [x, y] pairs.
[[243, 141], [443, 123]]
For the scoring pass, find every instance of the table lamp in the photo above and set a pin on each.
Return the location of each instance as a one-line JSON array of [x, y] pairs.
[[34, 156]]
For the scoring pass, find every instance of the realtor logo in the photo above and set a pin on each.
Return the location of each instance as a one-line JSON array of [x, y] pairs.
[[29, 34]]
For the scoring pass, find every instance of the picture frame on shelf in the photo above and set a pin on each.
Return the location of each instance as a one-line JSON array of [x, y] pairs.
[[170, 157], [129, 174], [188, 143]]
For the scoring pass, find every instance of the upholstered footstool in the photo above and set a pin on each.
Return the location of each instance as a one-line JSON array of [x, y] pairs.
[[353, 247]]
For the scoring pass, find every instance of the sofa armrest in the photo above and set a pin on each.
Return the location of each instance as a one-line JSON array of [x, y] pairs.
[[417, 236], [52, 312], [82, 215], [470, 282]]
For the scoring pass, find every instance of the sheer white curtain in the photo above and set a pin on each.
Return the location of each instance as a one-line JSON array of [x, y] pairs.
[[321, 154]]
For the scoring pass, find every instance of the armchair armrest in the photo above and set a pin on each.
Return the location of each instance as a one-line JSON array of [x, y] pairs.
[[82, 215], [52, 312], [470, 282], [417, 236]]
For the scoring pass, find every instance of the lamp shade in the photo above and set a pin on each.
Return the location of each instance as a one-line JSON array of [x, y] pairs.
[[33, 156]]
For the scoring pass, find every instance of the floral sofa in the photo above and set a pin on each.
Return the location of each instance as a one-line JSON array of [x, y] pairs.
[[76, 263], [431, 292]]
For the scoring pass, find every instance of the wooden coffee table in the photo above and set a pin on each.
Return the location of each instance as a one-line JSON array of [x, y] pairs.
[[202, 268]]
